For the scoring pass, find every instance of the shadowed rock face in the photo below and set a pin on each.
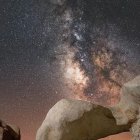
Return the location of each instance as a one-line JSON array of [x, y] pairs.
[[9, 132], [78, 120]]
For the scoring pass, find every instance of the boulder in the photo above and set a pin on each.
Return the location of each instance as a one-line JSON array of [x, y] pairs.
[[78, 120], [9, 132], [128, 109]]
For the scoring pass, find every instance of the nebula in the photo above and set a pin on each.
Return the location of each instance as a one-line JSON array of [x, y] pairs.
[[74, 76], [95, 59]]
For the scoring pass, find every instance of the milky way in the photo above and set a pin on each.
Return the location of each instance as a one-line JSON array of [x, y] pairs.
[[53, 49], [99, 58]]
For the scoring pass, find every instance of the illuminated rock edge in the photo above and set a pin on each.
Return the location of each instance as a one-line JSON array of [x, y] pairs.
[[80, 120]]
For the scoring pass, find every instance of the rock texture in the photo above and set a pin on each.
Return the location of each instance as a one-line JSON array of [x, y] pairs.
[[128, 109], [135, 130], [9, 132], [78, 120]]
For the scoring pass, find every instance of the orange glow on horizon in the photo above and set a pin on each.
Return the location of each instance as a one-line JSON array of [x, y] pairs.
[[121, 136]]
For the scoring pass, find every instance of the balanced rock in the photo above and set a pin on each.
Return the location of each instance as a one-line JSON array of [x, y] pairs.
[[78, 120], [9, 132]]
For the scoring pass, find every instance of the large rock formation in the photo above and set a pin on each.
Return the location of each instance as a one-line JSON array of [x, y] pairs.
[[79, 120], [128, 109], [9, 132]]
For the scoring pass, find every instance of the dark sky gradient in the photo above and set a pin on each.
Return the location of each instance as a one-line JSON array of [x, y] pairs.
[[26, 76], [30, 32]]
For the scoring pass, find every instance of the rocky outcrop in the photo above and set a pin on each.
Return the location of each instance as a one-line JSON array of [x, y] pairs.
[[128, 109], [79, 120], [9, 132]]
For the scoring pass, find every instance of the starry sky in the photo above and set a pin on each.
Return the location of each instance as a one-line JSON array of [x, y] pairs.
[[50, 49]]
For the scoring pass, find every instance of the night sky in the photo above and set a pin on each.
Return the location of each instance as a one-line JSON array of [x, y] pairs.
[[82, 49]]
